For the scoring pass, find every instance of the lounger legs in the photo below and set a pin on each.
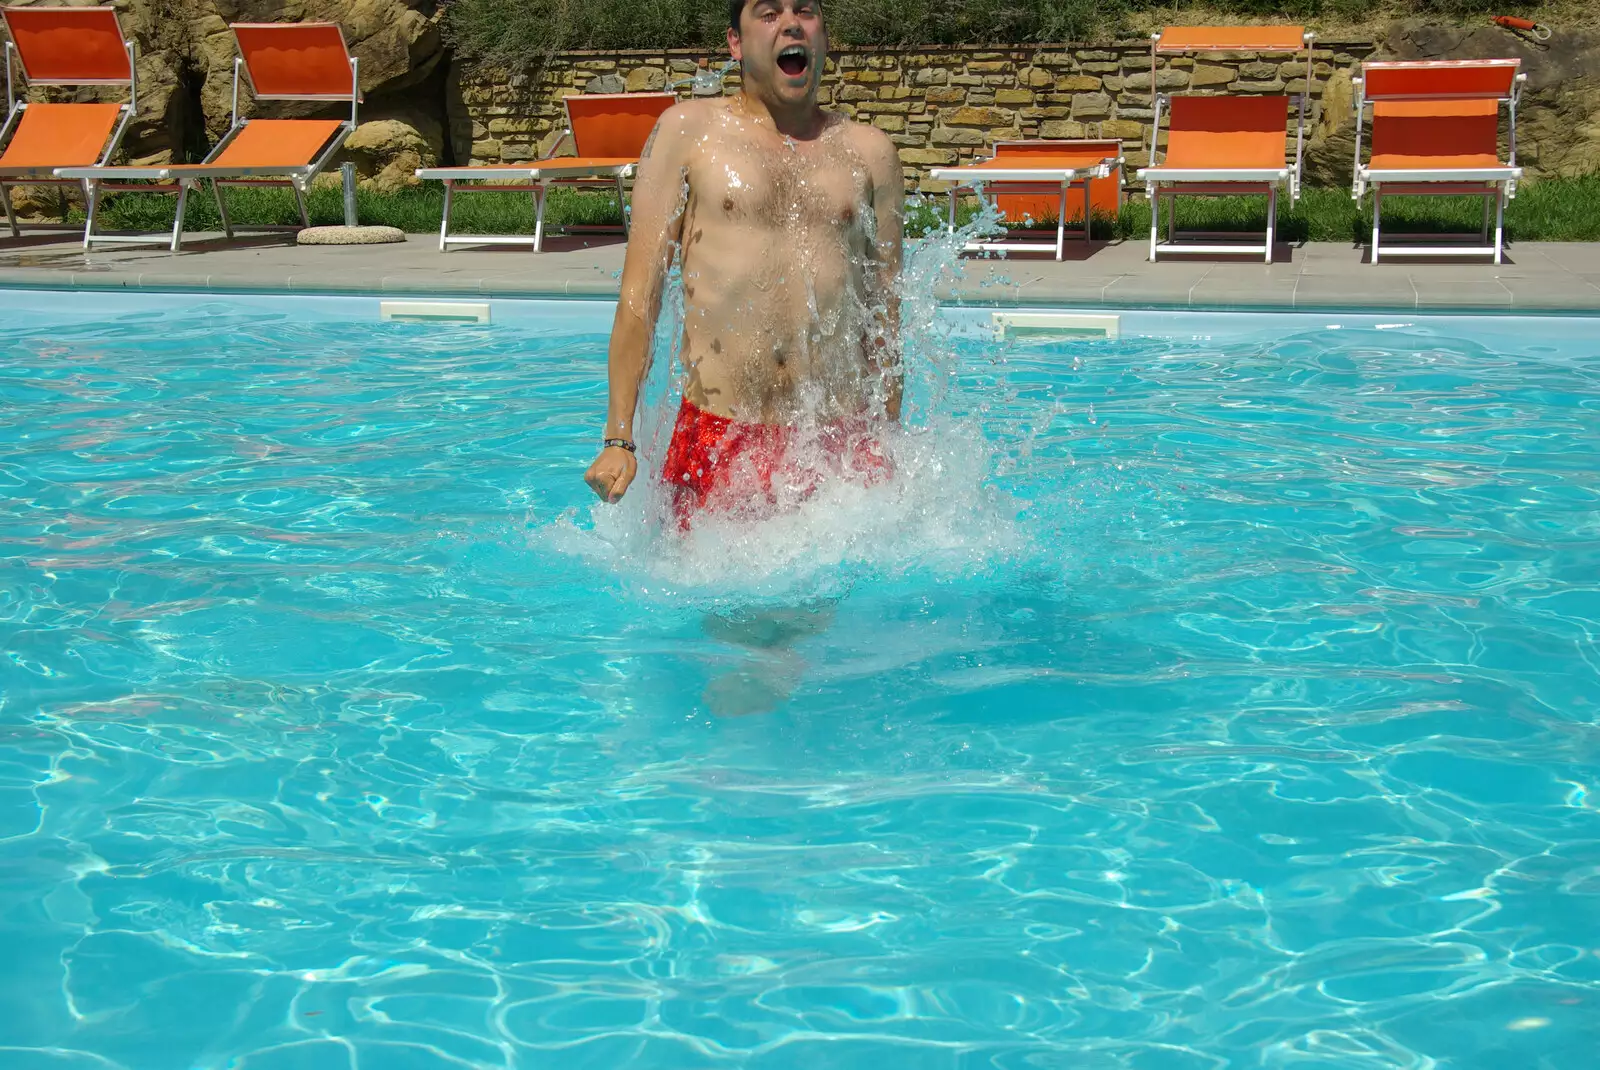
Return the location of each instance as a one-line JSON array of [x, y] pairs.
[[1088, 219], [222, 209], [177, 216], [91, 199], [538, 219], [1156, 195], [444, 224], [10, 213], [1377, 216], [622, 206], [1272, 220], [1155, 218], [1499, 224], [300, 203], [1061, 225]]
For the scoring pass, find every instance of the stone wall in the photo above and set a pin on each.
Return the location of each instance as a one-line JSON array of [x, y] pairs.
[[941, 106], [948, 105]]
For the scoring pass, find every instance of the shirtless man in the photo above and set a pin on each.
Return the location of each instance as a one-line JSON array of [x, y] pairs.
[[788, 223]]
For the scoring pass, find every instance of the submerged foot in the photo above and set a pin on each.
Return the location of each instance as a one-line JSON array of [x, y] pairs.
[[743, 692]]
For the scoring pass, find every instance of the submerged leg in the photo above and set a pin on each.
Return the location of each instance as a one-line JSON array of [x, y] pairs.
[[769, 678]]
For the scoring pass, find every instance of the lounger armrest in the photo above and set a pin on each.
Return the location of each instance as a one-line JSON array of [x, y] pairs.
[[532, 173], [1444, 174], [158, 173], [974, 176], [208, 171], [28, 172], [1217, 174]]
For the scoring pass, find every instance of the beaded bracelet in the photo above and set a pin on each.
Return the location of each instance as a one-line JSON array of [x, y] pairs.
[[622, 442]]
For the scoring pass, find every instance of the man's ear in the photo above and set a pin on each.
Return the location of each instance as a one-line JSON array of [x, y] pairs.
[[734, 44]]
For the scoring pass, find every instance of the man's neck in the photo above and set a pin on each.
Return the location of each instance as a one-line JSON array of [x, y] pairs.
[[803, 121]]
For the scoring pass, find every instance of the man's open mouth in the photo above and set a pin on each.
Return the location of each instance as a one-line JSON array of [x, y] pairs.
[[794, 60]]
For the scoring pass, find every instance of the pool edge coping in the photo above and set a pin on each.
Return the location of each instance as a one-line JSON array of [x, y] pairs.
[[585, 291]]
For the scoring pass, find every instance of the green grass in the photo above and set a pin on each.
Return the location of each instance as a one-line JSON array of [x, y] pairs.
[[1552, 210], [415, 211]]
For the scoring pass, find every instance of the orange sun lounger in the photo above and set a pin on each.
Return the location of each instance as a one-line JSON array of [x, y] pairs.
[[77, 46], [608, 132], [1436, 132], [1224, 146], [284, 61], [1031, 180]]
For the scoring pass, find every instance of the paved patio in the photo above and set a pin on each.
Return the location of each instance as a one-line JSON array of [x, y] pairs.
[[1540, 276]]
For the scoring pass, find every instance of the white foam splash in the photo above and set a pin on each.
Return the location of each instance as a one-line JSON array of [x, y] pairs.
[[938, 513]]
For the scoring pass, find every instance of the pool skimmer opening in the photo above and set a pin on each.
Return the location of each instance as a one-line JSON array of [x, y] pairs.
[[434, 311], [1055, 326]]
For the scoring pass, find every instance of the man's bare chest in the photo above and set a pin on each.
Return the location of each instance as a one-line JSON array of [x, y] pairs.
[[780, 187]]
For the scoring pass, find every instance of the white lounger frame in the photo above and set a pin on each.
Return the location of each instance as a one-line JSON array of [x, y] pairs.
[[971, 179], [101, 180], [1499, 188], [1217, 182], [535, 178], [15, 107]]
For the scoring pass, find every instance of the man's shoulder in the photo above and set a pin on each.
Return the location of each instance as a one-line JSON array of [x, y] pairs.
[[677, 129], [869, 140], [872, 144], [688, 115]]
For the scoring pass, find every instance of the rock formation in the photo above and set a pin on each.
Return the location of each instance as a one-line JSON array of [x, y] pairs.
[[185, 68]]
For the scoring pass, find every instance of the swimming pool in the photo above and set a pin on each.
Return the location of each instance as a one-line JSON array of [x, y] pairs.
[[1221, 694]]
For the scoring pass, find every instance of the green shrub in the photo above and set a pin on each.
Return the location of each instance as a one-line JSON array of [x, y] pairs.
[[519, 35]]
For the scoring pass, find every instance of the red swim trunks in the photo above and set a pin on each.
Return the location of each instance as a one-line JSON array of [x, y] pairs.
[[717, 463]]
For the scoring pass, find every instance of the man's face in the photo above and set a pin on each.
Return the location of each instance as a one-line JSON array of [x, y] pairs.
[[782, 45]]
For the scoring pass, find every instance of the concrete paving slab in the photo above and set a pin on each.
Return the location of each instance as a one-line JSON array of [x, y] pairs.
[[1224, 288], [1436, 290], [1545, 294], [1579, 257], [1334, 291]]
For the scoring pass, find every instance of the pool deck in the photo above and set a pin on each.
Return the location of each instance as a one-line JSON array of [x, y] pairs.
[[1540, 276]]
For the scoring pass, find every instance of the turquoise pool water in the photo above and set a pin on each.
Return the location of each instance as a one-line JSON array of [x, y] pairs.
[[1223, 695]]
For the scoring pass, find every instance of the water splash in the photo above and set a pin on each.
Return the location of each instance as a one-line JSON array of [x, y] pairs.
[[940, 512]]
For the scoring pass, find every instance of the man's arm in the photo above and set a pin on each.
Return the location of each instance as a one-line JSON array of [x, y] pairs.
[[888, 208], [655, 226]]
